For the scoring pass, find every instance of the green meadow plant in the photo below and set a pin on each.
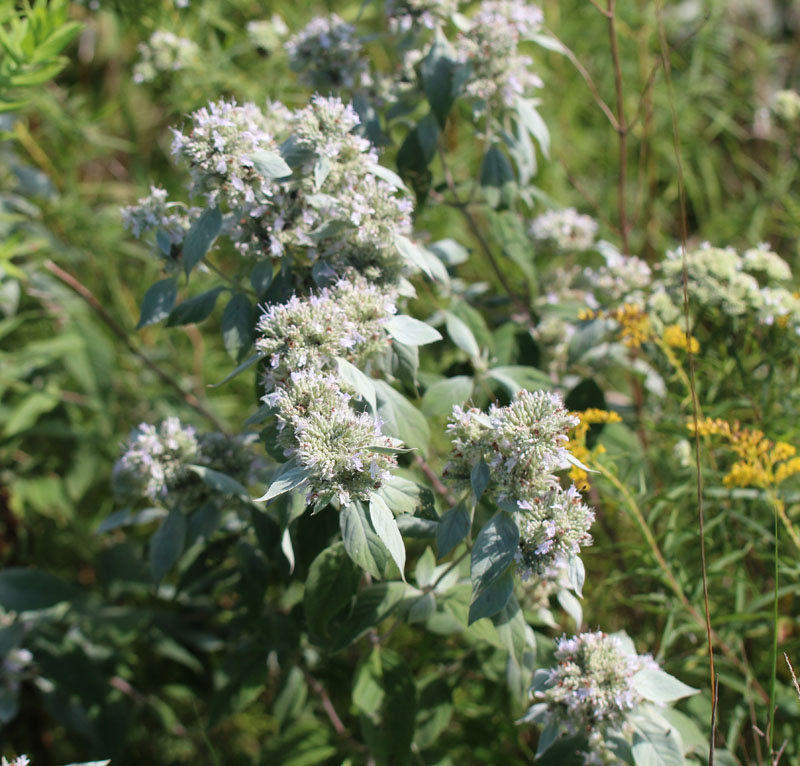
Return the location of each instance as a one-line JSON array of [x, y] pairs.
[[451, 509]]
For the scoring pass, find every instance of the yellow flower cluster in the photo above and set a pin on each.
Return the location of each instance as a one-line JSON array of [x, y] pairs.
[[762, 463], [632, 319], [675, 336], [577, 442]]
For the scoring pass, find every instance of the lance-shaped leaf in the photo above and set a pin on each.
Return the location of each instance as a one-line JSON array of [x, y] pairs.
[[200, 237], [493, 551], [385, 525]]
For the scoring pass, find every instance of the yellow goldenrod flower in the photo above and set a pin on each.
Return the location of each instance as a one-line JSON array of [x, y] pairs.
[[761, 462], [675, 336], [577, 442]]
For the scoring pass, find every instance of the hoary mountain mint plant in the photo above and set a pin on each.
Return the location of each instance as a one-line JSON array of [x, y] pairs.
[[403, 468]]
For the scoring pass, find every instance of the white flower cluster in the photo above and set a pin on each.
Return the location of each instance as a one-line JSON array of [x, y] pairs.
[[267, 33], [328, 55], [591, 686], [750, 283], [326, 436], [308, 333], [523, 444], [621, 276], [220, 149], [155, 213], [490, 45], [20, 760], [331, 206], [786, 105], [566, 229], [403, 15], [164, 52], [554, 528], [156, 462]]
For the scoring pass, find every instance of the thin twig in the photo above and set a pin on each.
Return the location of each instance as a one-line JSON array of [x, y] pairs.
[[622, 127], [794, 677], [691, 357], [327, 705], [606, 109], [87, 295], [435, 481]]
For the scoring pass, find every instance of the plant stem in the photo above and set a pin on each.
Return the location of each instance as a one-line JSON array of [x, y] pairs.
[[87, 295], [622, 127]]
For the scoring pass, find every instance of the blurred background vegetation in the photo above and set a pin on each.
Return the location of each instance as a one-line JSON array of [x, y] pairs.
[[83, 140]]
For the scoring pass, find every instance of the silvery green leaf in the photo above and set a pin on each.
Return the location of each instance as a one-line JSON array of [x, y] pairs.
[[449, 251], [571, 606], [391, 178], [385, 525], [361, 541], [655, 741], [322, 168], [441, 396], [194, 309], [401, 419], [271, 164], [462, 336], [577, 574], [658, 686], [534, 124], [358, 381], [289, 477], [287, 549], [411, 331], [413, 254], [572, 459], [548, 736]]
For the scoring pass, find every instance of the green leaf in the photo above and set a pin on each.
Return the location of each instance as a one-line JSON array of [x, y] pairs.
[[576, 573], [195, 309], [238, 326], [200, 237], [479, 478], [496, 170], [401, 419], [391, 178], [401, 495], [247, 363], [516, 378], [655, 741], [453, 528], [166, 545], [492, 598], [493, 551], [566, 751], [261, 278], [386, 694], [439, 72], [331, 583], [322, 169], [411, 331], [218, 481], [373, 605], [658, 686], [358, 381], [462, 336], [292, 697], [440, 397], [361, 541], [270, 164], [158, 302], [26, 590], [534, 124], [384, 524], [288, 477]]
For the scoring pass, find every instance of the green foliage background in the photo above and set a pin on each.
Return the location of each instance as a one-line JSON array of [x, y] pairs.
[[79, 147]]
